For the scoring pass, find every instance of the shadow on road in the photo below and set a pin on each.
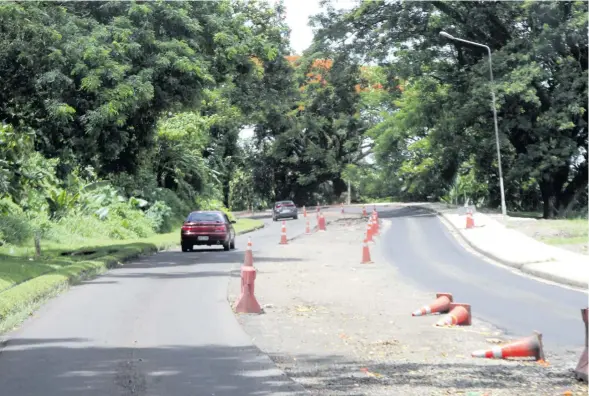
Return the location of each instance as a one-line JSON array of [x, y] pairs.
[[224, 370], [405, 212], [29, 368], [189, 259], [336, 375]]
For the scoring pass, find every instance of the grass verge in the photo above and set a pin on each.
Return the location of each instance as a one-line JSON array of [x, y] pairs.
[[26, 283]]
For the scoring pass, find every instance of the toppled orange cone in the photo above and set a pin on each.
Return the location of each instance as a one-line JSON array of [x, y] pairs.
[[365, 253], [248, 261], [582, 370], [526, 347], [440, 305], [283, 240], [459, 315]]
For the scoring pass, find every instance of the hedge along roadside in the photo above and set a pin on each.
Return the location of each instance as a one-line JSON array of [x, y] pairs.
[[21, 301]]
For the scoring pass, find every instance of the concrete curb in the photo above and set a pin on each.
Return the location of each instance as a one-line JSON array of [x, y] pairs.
[[519, 266]]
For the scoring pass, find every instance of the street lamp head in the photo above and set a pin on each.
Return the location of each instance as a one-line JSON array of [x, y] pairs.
[[447, 35]]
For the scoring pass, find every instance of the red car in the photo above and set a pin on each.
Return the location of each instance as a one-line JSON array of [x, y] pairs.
[[207, 228]]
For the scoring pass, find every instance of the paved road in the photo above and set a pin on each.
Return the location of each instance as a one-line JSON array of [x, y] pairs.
[[160, 326], [430, 257]]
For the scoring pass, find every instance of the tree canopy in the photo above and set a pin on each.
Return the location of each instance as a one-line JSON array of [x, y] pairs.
[[145, 101]]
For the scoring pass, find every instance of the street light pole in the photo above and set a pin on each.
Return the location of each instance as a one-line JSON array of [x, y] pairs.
[[450, 37]]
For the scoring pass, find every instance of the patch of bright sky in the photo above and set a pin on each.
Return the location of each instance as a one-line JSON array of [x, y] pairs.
[[301, 34]]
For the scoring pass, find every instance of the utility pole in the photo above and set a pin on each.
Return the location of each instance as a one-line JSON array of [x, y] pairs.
[[501, 188]]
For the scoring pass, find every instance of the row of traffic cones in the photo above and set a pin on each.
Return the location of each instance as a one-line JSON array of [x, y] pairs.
[[372, 229], [247, 302], [456, 314], [321, 226], [460, 315]]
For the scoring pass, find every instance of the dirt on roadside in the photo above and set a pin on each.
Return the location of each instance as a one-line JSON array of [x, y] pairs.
[[338, 327]]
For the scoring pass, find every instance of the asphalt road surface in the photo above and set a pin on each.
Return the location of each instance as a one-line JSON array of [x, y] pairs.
[[159, 326], [423, 250]]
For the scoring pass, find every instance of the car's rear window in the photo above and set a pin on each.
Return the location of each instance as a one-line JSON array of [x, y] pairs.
[[196, 217], [285, 203]]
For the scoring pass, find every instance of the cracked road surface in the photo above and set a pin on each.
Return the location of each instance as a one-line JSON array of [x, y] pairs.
[[157, 326]]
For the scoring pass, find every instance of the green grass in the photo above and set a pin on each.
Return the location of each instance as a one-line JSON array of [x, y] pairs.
[[564, 241], [26, 282]]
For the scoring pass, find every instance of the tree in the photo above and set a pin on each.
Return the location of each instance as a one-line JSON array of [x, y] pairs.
[[540, 65]]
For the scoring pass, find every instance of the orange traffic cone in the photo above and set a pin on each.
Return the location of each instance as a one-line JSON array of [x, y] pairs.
[[304, 211], [365, 253], [321, 222], [363, 211], [308, 228], [374, 226], [459, 315], [526, 347], [247, 302], [582, 370], [369, 231], [469, 220], [283, 240], [249, 257], [440, 305]]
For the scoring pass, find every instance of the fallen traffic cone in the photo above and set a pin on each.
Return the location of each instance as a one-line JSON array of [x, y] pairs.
[[321, 222], [249, 257], [582, 370], [365, 253], [283, 240], [308, 228], [526, 347], [247, 302], [440, 305], [459, 315], [469, 220]]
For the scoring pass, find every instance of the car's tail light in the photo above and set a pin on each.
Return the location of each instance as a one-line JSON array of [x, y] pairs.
[[187, 228], [221, 228]]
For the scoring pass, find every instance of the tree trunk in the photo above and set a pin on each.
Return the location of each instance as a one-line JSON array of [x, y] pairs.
[[547, 199], [339, 186]]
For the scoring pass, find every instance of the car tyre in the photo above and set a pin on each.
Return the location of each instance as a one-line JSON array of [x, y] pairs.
[[296, 217], [232, 244], [186, 248], [226, 246]]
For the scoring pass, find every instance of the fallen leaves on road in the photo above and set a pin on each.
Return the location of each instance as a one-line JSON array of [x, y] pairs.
[[370, 373]]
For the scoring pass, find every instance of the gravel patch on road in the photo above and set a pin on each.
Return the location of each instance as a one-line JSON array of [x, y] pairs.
[[339, 327]]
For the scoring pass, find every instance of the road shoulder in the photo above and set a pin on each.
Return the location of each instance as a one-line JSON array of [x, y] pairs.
[[338, 327]]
